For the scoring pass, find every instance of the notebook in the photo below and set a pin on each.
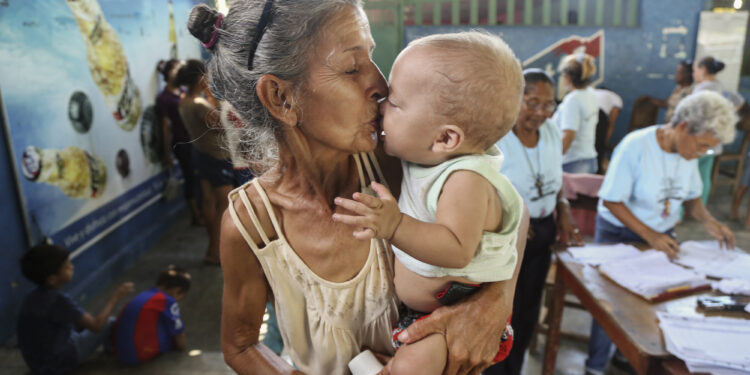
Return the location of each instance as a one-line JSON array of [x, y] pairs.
[[652, 276]]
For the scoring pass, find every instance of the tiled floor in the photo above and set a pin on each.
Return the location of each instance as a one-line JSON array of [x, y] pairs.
[[201, 308]]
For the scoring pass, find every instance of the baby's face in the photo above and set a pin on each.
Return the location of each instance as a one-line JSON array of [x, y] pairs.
[[410, 121]]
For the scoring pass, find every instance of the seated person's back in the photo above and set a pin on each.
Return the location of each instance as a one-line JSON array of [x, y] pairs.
[[150, 323]]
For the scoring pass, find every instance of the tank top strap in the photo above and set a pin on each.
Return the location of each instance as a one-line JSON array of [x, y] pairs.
[[371, 166], [269, 208], [376, 165], [240, 191]]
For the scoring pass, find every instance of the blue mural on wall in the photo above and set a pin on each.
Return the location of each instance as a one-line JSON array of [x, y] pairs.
[[52, 100]]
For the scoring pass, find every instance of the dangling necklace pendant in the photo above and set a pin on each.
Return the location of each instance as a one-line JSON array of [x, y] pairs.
[[539, 184], [666, 211]]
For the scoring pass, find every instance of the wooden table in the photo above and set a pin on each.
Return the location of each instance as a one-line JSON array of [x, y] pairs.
[[629, 320]]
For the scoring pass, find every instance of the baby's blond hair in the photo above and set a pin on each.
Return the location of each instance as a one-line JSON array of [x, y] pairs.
[[483, 83]]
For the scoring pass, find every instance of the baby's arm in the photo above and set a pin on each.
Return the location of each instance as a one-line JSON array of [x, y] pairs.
[[451, 241]]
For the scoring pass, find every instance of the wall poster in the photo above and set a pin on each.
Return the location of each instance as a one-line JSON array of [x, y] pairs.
[[78, 83]]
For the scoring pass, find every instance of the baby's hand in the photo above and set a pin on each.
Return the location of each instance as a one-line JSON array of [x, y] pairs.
[[378, 217]]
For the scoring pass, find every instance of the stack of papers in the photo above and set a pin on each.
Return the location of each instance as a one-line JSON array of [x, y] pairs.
[[708, 258], [595, 255], [652, 276], [708, 344]]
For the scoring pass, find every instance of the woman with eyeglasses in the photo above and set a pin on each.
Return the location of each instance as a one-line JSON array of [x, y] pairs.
[[654, 171], [578, 114], [535, 147]]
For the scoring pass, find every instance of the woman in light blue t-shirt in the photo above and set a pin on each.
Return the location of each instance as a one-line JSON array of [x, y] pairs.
[[578, 114], [653, 172], [533, 164]]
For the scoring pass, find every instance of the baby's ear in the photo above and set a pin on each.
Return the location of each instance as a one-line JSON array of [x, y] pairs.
[[448, 139]]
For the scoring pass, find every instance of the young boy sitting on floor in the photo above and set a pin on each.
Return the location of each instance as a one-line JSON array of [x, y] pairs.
[[150, 323], [452, 96], [46, 335]]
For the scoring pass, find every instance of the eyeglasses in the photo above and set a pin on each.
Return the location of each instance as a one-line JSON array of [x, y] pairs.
[[533, 106]]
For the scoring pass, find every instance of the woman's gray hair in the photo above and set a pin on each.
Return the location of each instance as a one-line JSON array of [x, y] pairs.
[[282, 51], [707, 111]]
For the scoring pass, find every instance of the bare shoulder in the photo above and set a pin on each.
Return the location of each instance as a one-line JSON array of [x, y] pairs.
[[232, 226], [467, 182]]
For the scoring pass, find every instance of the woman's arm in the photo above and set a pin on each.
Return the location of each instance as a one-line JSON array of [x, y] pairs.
[[567, 230], [567, 139], [658, 241], [166, 131], [658, 102], [612, 120], [474, 326], [721, 232], [243, 305]]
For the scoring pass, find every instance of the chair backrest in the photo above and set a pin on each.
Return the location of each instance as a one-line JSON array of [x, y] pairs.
[[600, 142], [645, 113]]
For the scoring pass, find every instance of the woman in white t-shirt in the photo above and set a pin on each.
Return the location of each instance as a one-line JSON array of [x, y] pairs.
[[653, 173], [578, 114], [533, 154]]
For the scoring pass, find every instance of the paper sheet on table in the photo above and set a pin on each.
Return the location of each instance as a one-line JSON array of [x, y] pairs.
[[709, 344], [650, 273], [708, 258], [595, 254]]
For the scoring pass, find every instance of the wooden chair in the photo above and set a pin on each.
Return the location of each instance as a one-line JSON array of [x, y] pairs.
[[645, 113]]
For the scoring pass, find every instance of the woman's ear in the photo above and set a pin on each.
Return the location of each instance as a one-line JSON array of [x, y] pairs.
[[276, 95], [448, 139], [682, 127]]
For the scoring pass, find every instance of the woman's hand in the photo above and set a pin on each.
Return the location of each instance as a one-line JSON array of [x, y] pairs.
[[377, 217], [471, 333], [663, 242], [567, 232], [721, 232]]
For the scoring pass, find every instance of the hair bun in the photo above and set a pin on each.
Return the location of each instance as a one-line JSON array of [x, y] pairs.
[[719, 65], [201, 22]]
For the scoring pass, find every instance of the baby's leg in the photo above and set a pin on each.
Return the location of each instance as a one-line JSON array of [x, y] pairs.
[[426, 356]]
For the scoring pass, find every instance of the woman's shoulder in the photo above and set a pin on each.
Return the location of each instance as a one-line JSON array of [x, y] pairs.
[[550, 132], [244, 203]]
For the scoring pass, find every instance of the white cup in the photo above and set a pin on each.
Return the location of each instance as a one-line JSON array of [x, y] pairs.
[[365, 363]]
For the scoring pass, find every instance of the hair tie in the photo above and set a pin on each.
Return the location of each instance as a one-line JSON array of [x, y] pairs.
[[265, 20], [215, 34]]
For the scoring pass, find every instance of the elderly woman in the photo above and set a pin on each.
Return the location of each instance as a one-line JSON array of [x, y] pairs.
[[705, 72], [578, 114], [536, 141], [653, 172], [683, 78], [300, 76]]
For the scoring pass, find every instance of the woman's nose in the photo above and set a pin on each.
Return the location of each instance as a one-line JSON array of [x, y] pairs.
[[379, 87]]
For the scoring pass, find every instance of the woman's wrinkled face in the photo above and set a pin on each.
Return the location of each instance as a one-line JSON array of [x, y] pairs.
[[339, 99], [537, 106], [692, 146]]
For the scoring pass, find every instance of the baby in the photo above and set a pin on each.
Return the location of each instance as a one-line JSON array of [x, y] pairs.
[[452, 96]]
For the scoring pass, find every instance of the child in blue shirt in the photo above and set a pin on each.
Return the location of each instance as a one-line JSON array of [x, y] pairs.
[[150, 323], [47, 334]]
